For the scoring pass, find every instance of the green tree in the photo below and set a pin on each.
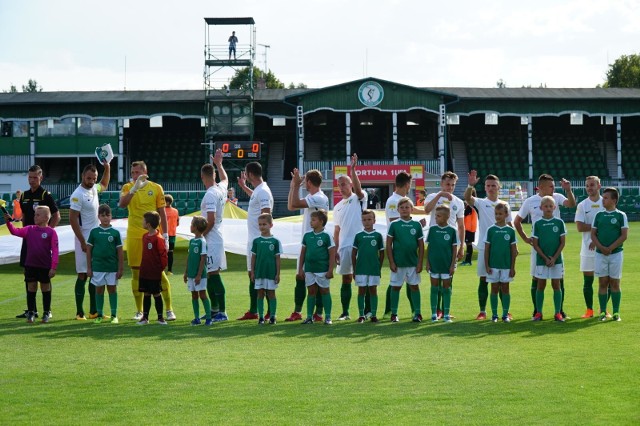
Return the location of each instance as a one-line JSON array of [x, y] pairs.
[[12, 89], [31, 86], [624, 72], [241, 79]]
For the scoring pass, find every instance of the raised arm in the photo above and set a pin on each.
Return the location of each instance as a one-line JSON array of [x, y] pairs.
[[468, 193], [106, 176], [357, 187], [217, 160]]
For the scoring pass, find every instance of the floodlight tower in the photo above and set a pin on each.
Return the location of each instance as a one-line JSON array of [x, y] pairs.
[[229, 112]]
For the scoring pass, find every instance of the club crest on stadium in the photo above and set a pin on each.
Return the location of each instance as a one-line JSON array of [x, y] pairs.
[[370, 93]]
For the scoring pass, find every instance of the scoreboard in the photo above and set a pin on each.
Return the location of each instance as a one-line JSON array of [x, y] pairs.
[[240, 150]]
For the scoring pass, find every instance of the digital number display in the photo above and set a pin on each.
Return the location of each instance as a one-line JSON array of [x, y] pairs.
[[240, 150]]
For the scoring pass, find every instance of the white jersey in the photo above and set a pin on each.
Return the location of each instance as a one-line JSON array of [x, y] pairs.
[[315, 202], [391, 208], [260, 199], [487, 217], [213, 201], [585, 212], [455, 204], [347, 214], [531, 207], [86, 201]]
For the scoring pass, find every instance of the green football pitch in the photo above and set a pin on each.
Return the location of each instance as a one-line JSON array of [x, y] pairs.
[[468, 372]]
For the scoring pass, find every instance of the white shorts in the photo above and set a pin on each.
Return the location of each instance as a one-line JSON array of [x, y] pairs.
[[345, 267], [587, 263], [265, 284], [216, 258], [192, 286], [556, 272], [406, 274], [81, 257], [367, 280], [440, 276], [609, 266], [320, 278], [100, 279], [482, 272], [499, 276], [249, 254], [534, 259]]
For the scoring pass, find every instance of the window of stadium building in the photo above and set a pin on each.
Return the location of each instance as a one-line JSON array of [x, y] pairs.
[[89, 127], [64, 127]]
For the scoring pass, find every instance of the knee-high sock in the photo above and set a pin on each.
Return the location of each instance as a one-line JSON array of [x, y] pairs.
[[534, 294], [557, 301], [395, 301], [113, 303], [311, 303], [367, 301], [299, 294], [195, 304], [539, 300], [562, 295], [483, 294], [345, 297], [211, 291], [273, 306], [327, 302], [494, 304], [207, 308], [46, 301], [319, 306], [100, 303], [170, 260], [446, 300], [31, 301], [79, 293], [469, 253], [219, 292], [361, 305], [587, 290], [434, 299], [410, 297], [387, 300], [135, 285], [615, 300], [506, 304], [440, 304], [602, 299], [92, 299], [253, 294], [166, 291], [26, 289], [260, 304], [374, 305], [415, 297], [146, 305], [159, 307]]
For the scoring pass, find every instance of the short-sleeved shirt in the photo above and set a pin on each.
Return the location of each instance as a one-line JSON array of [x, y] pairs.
[[585, 213], [500, 239], [260, 199], [315, 202], [29, 200], [266, 249], [487, 216], [455, 204], [148, 199], [347, 214], [548, 233], [405, 234], [531, 207], [391, 207], [369, 246], [172, 220], [317, 245], [86, 202], [213, 201], [154, 257], [441, 241], [609, 225], [197, 249], [104, 252]]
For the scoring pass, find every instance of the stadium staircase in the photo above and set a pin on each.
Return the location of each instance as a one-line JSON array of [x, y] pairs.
[[460, 166], [279, 186], [612, 160]]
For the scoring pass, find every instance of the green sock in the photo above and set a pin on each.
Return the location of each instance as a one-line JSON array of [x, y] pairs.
[[534, 294], [410, 297], [260, 303], [494, 304], [446, 300], [195, 303], [361, 305], [587, 290], [113, 302], [395, 300], [327, 303], [211, 291], [299, 294], [253, 305], [92, 299], [79, 292], [562, 295], [440, 307], [100, 303], [615, 299], [415, 297], [539, 300], [206, 304], [367, 300], [219, 292], [374, 305], [483, 294], [434, 299], [387, 301], [273, 305], [311, 303], [506, 304], [602, 299], [345, 297], [557, 300]]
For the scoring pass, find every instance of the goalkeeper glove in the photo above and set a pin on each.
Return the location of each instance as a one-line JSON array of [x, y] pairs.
[[140, 183]]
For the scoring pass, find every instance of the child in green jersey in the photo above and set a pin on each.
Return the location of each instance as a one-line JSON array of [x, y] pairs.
[[367, 257], [500, 260], [195, 273], [608, 231], [105, 261], [548, 242], [265, 266], [442, 246]]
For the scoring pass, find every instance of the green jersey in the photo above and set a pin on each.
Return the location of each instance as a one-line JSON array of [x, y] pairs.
[[405, 234], [197, 249], [500, 240], [441, 241], [609, 225], [369, 245], [104, 252], [266, 250], [316, 258], [548, 233]]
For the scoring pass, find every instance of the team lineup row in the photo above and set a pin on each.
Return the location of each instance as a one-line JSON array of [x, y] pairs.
[[355, 250]]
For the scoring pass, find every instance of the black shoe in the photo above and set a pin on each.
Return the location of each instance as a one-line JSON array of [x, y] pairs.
[[272, 320], [23, 315]]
